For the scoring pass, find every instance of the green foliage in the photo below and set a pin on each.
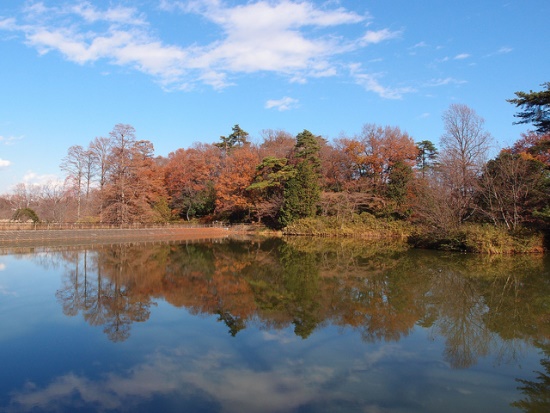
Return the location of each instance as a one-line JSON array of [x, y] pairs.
[[197, 203], [308, 147], [162, 211], [237, 138], [400, 176], [536, 108], [427, 155], [302, 191], [271, 173], [25, 214]]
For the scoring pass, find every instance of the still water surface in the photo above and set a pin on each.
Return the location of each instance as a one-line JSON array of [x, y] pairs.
[[272, 326]]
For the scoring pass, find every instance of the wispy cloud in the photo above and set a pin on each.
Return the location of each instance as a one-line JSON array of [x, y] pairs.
[[373, 37], [444, 82], [462, 56], [283, 37], [371, 83], [419, 45], [501, 51], [9, 140], [283, 104], [4, 163]]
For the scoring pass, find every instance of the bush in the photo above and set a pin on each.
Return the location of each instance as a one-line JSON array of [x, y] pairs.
[[25, 214], [362, 225], [481, 238]]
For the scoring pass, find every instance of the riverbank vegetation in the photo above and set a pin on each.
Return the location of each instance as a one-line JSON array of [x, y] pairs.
[[380, 183]]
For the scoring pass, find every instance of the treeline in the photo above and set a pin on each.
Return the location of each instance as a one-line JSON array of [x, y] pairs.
[[283, 179]]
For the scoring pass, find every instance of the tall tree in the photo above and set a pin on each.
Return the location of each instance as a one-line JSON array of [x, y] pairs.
[[74, 164], [400, 177], [535, 108], [267, 191], [190, 176], [427, 155], [276, 143], [236, 175], [100, 148], [302, 192], [123, 139], [464, 145], [135, 183], [512, 186], [238, 138], [535, 145]]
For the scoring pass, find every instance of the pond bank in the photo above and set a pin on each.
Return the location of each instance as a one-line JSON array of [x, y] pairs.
[[68, 237]]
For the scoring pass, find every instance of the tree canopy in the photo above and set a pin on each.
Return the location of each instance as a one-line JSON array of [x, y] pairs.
[[535, 108]]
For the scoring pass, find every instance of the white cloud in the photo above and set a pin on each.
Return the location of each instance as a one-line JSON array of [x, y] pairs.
[[8, 24], [373, 37], [284, 388], [419, 45], [502, 50], [444, 82], [297, 39], [370, 82], [4, 163], [461, 56], [9, 140], [120, 14], [34, 179], [283, 104]]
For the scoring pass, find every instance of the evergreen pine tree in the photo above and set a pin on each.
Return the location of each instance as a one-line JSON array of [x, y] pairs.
[[303, 192]]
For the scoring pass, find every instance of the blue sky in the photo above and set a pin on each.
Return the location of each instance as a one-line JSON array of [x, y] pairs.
[[184, 71]]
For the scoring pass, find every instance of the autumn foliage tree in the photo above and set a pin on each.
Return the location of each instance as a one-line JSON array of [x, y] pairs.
[[236, 175], [190, 176], [134, 183]]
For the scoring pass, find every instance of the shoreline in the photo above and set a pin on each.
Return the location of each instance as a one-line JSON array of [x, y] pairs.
[[25, 238]]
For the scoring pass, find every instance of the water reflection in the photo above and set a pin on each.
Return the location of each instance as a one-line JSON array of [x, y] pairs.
[[381, 291], [477, 306], [537, 392]]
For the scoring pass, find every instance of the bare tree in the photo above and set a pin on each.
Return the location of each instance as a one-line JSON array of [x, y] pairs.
[[55, 204], [74, 165], [99, 150], [464, 148], [510, 188], [123, 139], [24, 196]]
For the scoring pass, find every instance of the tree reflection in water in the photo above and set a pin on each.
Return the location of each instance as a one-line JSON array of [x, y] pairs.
[[475, 303], [537, 393]]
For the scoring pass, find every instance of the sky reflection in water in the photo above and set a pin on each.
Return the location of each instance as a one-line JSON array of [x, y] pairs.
[[302, 326]]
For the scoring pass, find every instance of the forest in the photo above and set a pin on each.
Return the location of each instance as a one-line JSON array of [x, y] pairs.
[[380, 179]]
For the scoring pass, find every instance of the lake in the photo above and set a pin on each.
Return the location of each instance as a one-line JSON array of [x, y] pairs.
[[302, 325]]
